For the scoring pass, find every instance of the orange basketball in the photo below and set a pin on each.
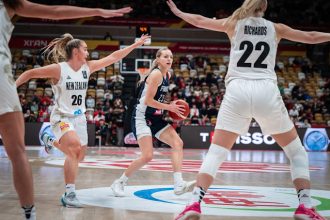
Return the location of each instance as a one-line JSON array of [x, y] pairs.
[[174, 116]]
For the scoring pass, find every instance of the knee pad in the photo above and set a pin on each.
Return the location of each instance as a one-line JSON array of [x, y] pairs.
[[214, 158], [297, 155]]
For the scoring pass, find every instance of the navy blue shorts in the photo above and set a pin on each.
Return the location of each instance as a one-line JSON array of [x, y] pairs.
[[148, 126]]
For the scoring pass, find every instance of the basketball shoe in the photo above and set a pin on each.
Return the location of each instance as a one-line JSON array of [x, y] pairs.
[[184, 187], [118, 188], [191, 212], [48, 142], [303, 213], [70, 200]]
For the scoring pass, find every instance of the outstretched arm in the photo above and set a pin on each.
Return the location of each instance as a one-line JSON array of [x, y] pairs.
[[51, 71], [96, 65], [198, 20], [308, 37], [57, 12]]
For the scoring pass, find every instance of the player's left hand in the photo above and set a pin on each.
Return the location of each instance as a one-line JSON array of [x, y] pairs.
[[143, 39], [173, 7]]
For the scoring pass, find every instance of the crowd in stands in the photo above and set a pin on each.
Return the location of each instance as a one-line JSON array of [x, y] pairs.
[[197, 79]]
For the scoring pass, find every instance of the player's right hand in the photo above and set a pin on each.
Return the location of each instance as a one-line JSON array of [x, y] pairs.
[[115, 13]]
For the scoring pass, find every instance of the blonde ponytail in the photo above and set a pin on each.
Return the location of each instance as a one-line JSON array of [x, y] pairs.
[[61, 48], [249, 8]]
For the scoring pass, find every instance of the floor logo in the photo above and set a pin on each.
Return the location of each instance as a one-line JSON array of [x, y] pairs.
[[219, 201], [193, 166]]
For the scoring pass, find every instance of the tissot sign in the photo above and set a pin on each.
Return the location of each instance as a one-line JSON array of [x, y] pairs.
[[201, 137]]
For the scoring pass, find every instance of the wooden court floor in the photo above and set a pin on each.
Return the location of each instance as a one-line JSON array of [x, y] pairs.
[[251, 185]]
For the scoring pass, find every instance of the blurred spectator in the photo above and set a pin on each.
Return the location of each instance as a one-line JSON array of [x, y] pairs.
[[90, 102], [194, 111], [107, 36], [101, 129], [98, 118], [29, 116]]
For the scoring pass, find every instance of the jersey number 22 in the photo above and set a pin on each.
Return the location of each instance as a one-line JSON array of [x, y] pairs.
[[248, 47]]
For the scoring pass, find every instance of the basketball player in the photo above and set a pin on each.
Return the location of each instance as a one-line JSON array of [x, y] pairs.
[[147, 122], [69, 84], [252, 92], [11, 118]]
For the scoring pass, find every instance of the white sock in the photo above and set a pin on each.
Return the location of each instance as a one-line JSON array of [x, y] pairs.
[[123, 178], [177, 178], [70, 188], [197, 195], [304, 196]]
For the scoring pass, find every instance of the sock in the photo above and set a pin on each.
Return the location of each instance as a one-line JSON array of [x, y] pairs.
[[123, 178], [70, 188], [197, 194], [304, 196], [28, 210], [177, 178]]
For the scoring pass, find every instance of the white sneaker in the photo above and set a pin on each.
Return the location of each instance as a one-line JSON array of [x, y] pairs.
[[118, 188], [184, 187], [48, 142], [70, 200], [30, 214]]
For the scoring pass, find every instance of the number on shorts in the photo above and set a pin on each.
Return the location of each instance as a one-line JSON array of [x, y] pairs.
[[76, 99], [248, 47]]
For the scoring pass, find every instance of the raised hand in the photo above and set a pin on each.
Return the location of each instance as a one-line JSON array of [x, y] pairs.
[[173, 7], [143, 39], [115, 13]]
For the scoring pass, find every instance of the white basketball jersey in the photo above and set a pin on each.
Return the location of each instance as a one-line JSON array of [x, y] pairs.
[[70, 90], [253, 50], [6, 28]]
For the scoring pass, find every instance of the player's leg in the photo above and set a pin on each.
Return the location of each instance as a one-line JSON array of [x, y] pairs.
[[143, 135], [222, 142], [15, 148], [299, 165], [146, 147], [273, 118], [71, 145], [168, 135], [233, 118]]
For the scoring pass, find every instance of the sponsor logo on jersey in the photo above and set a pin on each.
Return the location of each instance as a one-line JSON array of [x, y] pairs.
[[84, 73], [219, 200], [68, 77], [77, 112], [64, 126]]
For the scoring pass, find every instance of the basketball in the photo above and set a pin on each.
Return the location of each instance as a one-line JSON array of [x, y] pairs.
[[174, 116]]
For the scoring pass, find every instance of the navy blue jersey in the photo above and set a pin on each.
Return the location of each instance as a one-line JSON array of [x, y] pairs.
[[144, 110]]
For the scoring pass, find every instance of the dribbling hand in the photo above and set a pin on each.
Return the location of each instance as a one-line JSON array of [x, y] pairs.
[[177, 109]]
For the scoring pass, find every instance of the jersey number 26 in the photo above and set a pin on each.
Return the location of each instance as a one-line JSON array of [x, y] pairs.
[[76, 99]]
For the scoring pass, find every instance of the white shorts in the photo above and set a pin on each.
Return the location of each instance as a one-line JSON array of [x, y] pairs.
[[9, 101], [258, 99], [61, 125]]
